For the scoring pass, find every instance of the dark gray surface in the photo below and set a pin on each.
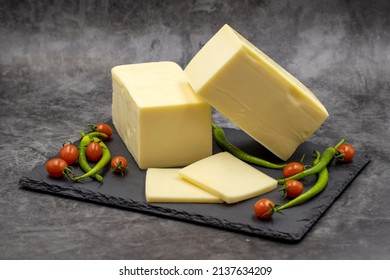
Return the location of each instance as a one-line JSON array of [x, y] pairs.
[[129, 192], [55, 62]]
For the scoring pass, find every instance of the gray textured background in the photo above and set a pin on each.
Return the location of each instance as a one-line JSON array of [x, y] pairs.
[[55, 61]]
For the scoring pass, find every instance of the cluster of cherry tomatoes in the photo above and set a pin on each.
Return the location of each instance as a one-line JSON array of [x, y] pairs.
[[69, 154]]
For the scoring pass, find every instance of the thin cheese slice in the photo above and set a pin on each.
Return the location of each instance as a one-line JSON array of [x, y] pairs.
[[255, 93], [165, 185], [228, 178]]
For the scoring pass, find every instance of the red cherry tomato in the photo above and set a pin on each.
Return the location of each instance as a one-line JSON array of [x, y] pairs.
[[69, 153], [104, 128], [93, 151], [55, 167], [347, 151], [293, 188], [263, 208], [292, 168], [119, 164]]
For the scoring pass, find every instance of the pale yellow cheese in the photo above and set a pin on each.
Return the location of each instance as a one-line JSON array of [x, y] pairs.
[[158, 116], [165, 185], [229, 178], [255, 93]]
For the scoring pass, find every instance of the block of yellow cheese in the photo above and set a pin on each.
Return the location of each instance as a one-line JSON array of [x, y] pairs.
[[227, 177], [255, 93], [165, 185], [162, 122]]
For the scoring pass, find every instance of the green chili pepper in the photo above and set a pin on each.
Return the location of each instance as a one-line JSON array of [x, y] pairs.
[[94, 134], [220, 137], [318, 187], [106, 156], [83, 158], [326, 157]]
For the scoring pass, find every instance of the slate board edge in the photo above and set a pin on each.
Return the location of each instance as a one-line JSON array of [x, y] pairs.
[[144, 207], [333, 196], [87, 195]]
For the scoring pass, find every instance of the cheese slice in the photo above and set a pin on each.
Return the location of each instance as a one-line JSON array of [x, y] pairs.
[[162, 122], [255, 93], [227, 177], [165, 185]]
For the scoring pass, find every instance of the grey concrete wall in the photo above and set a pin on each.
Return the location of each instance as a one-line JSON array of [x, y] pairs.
[[55, 61]]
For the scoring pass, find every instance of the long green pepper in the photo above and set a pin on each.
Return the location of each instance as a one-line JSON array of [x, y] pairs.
[[318, 187], [326, 157], [106, 156], [220, 137], [94, 134]]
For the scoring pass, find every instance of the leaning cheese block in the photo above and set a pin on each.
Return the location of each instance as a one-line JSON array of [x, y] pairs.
[[228, 177], [165, 185], [158, 116], [255, 93]]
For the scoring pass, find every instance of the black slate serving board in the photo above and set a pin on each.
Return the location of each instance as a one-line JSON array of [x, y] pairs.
[[128, 192]]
